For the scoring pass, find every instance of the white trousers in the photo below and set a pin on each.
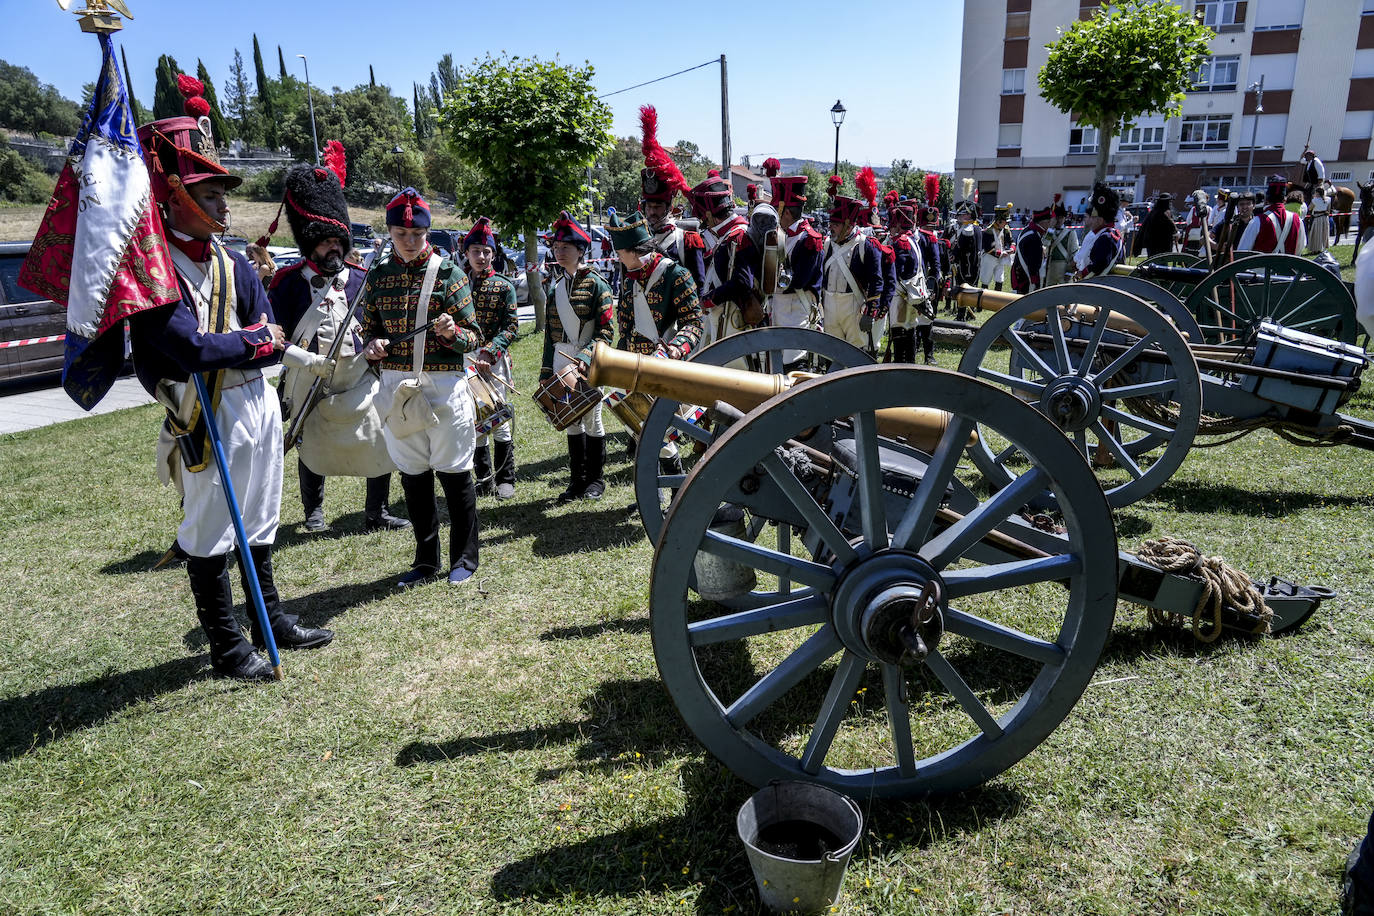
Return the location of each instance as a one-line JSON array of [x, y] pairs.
[[449, 445], [842, 311], [993, 269], [249, 422], [500, 369], [793, 310]]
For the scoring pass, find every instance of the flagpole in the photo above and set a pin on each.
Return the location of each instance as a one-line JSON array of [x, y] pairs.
[[240, 535]]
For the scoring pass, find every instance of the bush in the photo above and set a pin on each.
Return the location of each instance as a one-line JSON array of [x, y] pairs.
[[22, 182], [265, 185]]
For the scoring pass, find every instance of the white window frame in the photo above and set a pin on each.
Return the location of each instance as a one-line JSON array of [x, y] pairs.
[[1082, 148], [1278, 26], [1213, 127], [1205, 80], [1014, 81], [1001, 144], [1339, 176], [1142, 138], [1218, 13]]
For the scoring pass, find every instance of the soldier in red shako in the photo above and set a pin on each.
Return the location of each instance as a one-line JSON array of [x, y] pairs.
[[223, 326], [915, 303], [853, 284], [725, 291], [660, 181]]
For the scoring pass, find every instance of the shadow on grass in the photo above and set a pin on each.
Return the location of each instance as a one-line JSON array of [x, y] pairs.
[[30, 721], [1203, 497], [591, 631], [315, 609], [699, 851]]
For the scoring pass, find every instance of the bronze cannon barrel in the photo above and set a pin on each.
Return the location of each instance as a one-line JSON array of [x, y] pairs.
[[698, 383], [994, 301]]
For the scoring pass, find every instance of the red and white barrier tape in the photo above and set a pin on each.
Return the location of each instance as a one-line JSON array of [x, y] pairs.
[[5, 344]]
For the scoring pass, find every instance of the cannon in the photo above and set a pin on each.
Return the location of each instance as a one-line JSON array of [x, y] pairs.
[[1133, 386], [912, 631]]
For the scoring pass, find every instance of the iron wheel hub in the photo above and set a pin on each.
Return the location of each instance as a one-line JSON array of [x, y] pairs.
[[1072, 402], [890, 608]]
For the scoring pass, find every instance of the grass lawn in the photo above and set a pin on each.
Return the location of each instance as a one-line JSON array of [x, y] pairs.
[[509, 747]]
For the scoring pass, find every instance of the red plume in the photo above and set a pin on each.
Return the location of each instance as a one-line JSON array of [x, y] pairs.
[[189, 85], [655, 156], [867, 183], [833, 184], [771, 167], [713, 173], [932, 188], [335, 160], [752, 190], [197, 107], [1058, 198], [891, 198]]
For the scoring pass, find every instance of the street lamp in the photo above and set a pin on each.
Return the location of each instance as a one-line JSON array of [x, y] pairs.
[[837, 115], [1258, 90], [310, 96], [398, 152]]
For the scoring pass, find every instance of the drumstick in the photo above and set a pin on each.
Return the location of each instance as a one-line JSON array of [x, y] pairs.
[[506, 383], [410, 335]]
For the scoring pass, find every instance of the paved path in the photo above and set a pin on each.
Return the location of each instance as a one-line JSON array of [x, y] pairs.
[[30, 405]]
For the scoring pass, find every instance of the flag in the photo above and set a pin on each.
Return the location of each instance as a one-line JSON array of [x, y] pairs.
[[100, 251]]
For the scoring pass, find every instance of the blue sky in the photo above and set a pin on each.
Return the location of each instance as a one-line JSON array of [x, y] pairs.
[[894, 63]]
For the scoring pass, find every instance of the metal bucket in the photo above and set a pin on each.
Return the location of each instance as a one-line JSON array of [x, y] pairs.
[[717, 578], [799, 837]]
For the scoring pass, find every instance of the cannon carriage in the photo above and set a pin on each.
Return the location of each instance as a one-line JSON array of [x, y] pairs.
[[901, 626], [1136, 383]]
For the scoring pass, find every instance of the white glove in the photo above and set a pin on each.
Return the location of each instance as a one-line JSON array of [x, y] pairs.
[[297, 358]]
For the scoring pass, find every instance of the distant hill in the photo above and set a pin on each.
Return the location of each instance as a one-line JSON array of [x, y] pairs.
[[791, 165]]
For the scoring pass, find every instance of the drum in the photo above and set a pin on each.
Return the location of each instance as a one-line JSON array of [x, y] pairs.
[[490, 408], [566, 407], [632, 408]]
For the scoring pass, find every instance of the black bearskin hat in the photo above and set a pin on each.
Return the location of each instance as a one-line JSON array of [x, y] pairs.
[[315, 208], [1105, 202]]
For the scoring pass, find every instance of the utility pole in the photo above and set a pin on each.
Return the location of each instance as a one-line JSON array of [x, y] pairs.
[[725, 124], [310, 95]]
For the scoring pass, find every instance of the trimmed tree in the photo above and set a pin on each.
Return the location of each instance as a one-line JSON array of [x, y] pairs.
[[167, 100], [218, 126], [265, 107], [527, 130], [1130, 60]]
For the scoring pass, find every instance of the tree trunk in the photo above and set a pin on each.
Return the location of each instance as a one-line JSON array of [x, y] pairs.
[[1104, 149], [533, 279]]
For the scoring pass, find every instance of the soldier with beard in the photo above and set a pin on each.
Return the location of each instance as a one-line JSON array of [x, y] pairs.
[[660, 181], [796, 304]]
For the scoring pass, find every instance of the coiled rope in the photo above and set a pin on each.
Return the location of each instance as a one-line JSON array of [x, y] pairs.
[[1223, 586]]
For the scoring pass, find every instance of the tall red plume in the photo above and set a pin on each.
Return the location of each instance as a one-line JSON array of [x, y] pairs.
[[189, 86], [335, 160], [1058, 198], [771, 167], [655, 156], [752, 190], [867, 183], [833, 184], [932, 188]]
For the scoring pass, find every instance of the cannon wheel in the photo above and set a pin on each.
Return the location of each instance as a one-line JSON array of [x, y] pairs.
[[1161, 298], [1291, 291], [764, 348], [807, 688], [1178, 288], [1081, 389]]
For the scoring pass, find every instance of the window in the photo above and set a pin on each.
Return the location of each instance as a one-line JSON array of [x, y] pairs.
[[1268, 133], [1341, 176], [1018, 25], [1278, 70], [1364, 62], [1014, 82], [1217, 74], [1368, 8], [1082, 140], [1217, 13], [1359, 125], [1278, 14], [1144, 137], [1205, 132], [1008, 136]]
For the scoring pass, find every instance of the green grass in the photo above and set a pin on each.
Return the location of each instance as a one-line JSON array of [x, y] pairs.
[[511, 749]]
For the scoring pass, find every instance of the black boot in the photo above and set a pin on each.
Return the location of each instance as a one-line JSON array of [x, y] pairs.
[[463, 540], [595, 486], [577, 469], [376, 515], [997, 287], [286, 628], [423, 509], [927, 341], [903, 349], [312, 498], [504, 474], [230, 653], [481, 470]]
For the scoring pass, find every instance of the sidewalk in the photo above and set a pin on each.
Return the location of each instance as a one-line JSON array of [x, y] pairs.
[[33, 404]]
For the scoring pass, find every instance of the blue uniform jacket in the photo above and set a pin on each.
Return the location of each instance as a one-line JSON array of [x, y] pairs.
[[805, 262], [291, 294], [866, 264]]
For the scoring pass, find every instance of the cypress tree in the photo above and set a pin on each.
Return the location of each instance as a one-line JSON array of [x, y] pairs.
[[167, 100], [218, 126], [371, 77], [139, 112], [269, 111], [281, 62]]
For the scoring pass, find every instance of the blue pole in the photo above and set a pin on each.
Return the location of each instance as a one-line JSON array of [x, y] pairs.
[[240, 535]]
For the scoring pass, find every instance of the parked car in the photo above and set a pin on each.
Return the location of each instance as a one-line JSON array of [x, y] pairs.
[[450, 240], [28, 317]]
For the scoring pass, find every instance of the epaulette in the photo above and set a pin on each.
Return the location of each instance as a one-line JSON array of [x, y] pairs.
[[693, 240], [813, 234], [285, 272], [884, 249]]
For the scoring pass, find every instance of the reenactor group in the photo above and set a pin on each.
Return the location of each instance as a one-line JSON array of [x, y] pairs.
[[404, 366]]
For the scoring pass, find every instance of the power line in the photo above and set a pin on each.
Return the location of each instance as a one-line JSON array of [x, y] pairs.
[[709, 63]]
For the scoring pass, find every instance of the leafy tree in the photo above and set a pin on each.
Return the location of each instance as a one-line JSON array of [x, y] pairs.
[[369, 121], [527, 130], [218, 126], [903, 179], [423, 115], [140, 113], [1129, 60], [446, 76], [691, 161], [268, 111], [22, 182], [167, 98], [238, 102], [34, 107]]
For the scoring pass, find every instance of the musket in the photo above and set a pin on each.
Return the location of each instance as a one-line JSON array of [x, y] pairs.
[[320, 385]]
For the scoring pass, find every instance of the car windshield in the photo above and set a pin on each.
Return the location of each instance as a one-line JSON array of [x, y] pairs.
[[9, 281]]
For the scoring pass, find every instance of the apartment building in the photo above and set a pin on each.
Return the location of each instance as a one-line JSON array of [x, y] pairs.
[[1315, 57]]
